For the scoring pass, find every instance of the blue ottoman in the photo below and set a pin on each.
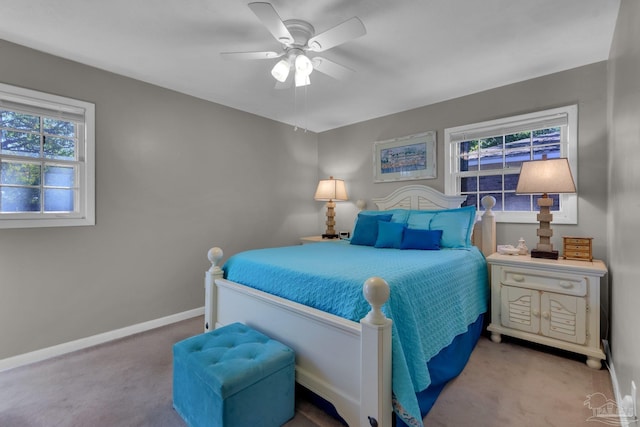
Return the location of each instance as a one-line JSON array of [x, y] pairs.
[[233, 376]]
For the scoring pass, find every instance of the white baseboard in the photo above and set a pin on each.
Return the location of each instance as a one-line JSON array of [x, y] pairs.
[[68, 347], [623, 420]]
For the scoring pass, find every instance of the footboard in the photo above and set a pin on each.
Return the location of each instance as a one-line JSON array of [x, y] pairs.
[[345, 362]]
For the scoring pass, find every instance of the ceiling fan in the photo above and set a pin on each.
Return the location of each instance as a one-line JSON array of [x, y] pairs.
[[298, 38]]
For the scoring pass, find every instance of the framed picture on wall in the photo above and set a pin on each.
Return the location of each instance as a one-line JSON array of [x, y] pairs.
[[406, 158]]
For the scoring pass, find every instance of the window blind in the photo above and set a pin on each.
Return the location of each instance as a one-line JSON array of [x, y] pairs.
[[41, 108], [491, 130]]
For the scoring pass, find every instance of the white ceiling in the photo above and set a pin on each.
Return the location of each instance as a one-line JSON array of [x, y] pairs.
[[415, 52]]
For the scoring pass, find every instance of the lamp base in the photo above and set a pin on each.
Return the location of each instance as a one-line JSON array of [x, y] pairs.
[[544, 254], [330, 236]]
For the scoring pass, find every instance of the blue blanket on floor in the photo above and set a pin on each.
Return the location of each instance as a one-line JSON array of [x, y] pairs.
[[435, 295]]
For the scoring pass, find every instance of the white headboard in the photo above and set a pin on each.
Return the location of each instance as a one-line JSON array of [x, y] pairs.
[[421, 197], [418, 197]]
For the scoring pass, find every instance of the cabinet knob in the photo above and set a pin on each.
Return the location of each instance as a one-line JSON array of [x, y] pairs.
[[536, 313], [566, 285], [545, 314], [518, 277]]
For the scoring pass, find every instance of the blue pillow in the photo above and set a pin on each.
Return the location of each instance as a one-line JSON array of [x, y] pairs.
[[420, 219], [389, 235], [398, 215], [414, 238], [366, 231], [456, 225]]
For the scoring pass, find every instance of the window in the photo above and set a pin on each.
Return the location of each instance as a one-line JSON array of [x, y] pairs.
[[485, 159], [46, 160]]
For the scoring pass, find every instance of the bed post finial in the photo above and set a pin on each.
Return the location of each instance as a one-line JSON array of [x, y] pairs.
[[488, 202], [376, 292], [215, 256]]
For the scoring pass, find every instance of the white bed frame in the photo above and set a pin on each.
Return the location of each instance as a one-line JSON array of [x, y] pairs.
[[347, 363]]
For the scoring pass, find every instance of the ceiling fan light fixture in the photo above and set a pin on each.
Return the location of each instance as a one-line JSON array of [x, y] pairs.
[[280, 71], [302, 79], [303, 65]]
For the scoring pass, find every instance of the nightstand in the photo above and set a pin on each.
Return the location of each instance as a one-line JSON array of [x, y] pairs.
[[316, 239], [550, 302]]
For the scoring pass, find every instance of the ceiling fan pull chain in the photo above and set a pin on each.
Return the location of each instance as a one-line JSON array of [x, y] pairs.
[[295, 109], [305, 108]]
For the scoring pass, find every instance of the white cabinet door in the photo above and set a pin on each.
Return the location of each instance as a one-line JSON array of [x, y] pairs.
[[564, 317], [520, 309]]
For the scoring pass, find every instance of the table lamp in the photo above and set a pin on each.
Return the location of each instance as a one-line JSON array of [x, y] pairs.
[[330, 190], [543, 177]]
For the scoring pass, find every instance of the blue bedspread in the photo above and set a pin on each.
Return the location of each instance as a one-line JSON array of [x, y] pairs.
[[435, 295]]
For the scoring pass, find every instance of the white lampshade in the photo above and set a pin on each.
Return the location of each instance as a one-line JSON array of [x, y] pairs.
[[302, 79], [303, 65], [546, 176], [280, 71], [331, 189]]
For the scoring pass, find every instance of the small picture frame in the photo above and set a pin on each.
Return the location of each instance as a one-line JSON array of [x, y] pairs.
[[406, 158]]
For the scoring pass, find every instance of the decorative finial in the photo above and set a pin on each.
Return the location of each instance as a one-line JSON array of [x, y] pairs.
[[376, 291], [215, 256], [488, 202]]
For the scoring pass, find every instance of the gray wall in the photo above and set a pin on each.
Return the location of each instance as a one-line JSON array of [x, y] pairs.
[[175, 175], [348, 152], [624, 193]]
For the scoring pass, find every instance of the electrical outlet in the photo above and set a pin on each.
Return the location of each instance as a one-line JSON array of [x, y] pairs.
[[629, 404]]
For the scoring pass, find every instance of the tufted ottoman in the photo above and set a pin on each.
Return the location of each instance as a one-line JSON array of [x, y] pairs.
[[233, 376]]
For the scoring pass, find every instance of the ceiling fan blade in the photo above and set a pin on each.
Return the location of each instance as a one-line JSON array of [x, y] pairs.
[[331, 69], [251, 55], [270, 18], [341, 33]]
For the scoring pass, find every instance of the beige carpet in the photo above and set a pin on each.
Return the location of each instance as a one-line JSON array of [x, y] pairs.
[[128, 383]]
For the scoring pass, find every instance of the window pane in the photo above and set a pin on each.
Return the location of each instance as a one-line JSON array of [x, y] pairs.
[[546, 136], [514, 157], [59, 148], [20, 173], [491, 183], [472, 200], [56, 200], [517, 202], [491, 150], [59, 127], [20, 121], [517, 140], [468, 156], [19, 199], [468, 184], [552, 152], [20, 143], [511, 181], [59, 176]]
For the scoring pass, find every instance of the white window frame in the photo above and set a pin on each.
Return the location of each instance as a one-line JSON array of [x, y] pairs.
[[568, 213], [83, 113]]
